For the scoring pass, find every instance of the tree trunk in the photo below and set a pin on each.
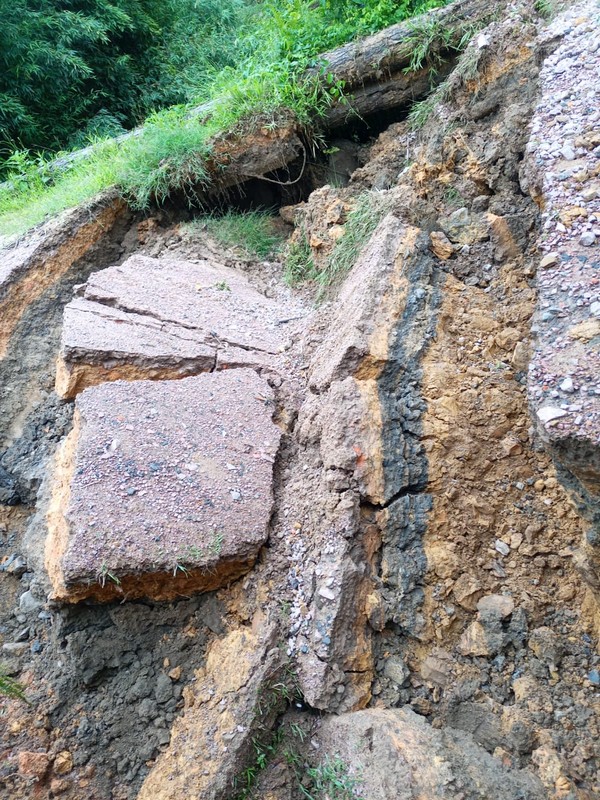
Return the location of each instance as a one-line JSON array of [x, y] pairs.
[[376, 77]]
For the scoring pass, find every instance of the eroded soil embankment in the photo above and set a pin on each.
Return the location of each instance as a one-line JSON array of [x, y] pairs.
[[421, 548]]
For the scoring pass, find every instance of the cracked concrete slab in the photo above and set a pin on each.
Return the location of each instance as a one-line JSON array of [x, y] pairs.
[[163, 488], [157, 319]]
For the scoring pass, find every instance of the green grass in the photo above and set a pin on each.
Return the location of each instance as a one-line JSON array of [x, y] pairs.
[[10, 687], [467, 69], [251, 233], [331, 780], [369, 210], [267, 83], [299, 265], [366, 215]]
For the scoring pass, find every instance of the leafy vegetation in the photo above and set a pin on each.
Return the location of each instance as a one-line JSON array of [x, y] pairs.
[[252, 233], [10, 687], [108, 62], [299, 263], [331, 779], [369, 210], [74, 68]]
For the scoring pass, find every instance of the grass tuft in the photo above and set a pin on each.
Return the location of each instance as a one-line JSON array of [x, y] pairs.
[[11, 688], [366, 215], [299, 263], [252, 233]]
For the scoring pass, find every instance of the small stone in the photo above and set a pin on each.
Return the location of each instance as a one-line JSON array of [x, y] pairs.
[[473, 642], [34, 764], [594, 677], [551, 260], [396, 670], [467, 591], [59, 786], [496, 604], [501, 547], [595, 309], [164, 689], [587, 239], [14, 565], [546, 646], [548, 413], [567, 386], [63, 763], [441, 246], [28, 604], [15, 648], [327, 593], [175, 673], [436, 669]]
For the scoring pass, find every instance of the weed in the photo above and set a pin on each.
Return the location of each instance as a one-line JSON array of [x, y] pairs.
[[251, 232], [453, 197], [10, 687], [105, 574], [217, 543], [545, 8], [466, 70], [223, 286], [331, 780], [299, 264], [180, 568], [367, 213]]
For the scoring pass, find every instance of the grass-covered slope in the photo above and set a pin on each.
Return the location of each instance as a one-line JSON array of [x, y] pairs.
[[271, 50]]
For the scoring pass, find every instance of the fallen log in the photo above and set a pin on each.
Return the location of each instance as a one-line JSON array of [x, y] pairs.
[[387, 70]]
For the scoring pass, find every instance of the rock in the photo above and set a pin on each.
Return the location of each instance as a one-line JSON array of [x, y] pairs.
[[567, 386], [160, 319], [231, 703], [175, 673], [396, 670], [587, 239], [594, 677], [181, 531], [497, 605], [437, 668], [14, 565], [59, 786], [520, 356], [546, 646], [33, 764], [15, 648], [441, 246], [475, 642], [549, 413], [462, 228], [501, 547], [29, 604], [164, 689], [551, 260], [327, 593], [63, 763], [467, 591], [402, 757]]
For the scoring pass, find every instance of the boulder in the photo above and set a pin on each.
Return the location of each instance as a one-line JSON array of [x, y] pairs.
[[387, 753]]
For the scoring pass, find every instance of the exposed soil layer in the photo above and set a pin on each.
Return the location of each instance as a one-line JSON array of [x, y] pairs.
[[420, 596]]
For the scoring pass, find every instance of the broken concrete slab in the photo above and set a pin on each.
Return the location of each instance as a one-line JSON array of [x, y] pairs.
[[162, 488], [157, 319]]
